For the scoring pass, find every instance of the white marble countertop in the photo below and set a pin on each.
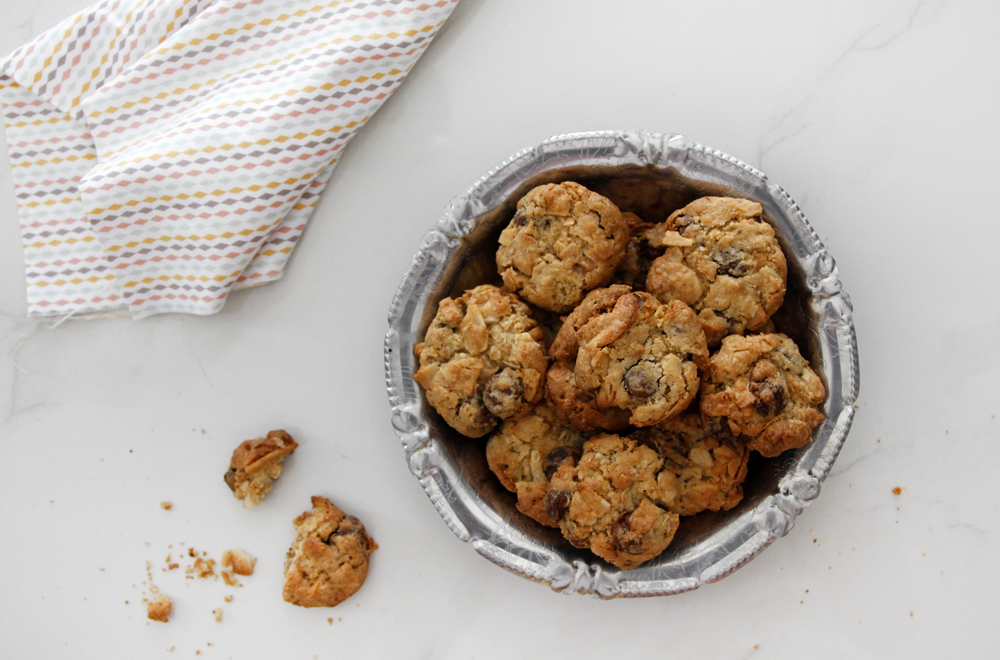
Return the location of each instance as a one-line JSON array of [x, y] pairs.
[[880, 119]]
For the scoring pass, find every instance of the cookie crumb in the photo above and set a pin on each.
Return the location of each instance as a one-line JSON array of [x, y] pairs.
[[159, 608], [228, 598], [239, 561], [201, 568], [166, 506], [218, 614], [897, 491], [256, 465]]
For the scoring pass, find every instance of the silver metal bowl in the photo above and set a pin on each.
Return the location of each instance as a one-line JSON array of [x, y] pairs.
[[654, 174]]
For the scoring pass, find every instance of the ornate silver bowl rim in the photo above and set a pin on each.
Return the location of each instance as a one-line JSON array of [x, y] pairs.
[[724, 543]]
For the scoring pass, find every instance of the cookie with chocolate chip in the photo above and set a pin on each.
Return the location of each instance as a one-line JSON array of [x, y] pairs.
[[577, 407], [482, 359], [563, 241], [328, 561], [616, 501], [721, 258], [766, 392], [709, 463], [642, 356], [524, 453]]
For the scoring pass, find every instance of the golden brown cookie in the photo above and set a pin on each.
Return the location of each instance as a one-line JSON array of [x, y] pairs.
[[328, 561], [616, 501], [481, 360], [563, 241], [524, 453], [723, 260], [708, 462], [766, 391], [566, 343], [256, 464], [577, 407], [642, 356]]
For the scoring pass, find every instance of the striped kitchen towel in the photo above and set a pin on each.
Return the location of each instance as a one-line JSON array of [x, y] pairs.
[[167, 152]]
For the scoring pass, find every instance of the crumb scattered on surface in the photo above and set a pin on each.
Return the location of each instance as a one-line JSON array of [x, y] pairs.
[[202, 568], [897, 491], [166, 506], [217, 612], [238, 560], [159, 608], [228, 598]]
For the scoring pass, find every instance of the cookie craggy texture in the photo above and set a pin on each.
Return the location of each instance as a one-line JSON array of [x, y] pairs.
[[766, 391], [709, 463], [328, 561], [573, 404], [642, 356], [616, 501], [256, 465], [482, 359], [723, 260], [525, 453], [563, 241]]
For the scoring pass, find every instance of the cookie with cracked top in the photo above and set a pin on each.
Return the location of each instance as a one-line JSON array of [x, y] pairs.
[[642, 356], [709, 463], [765, 390], [616, 501], [721, 258], [328, 561], [563, 241], [525, 453], [482, 359]]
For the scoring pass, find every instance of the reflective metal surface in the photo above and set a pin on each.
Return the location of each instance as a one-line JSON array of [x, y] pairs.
[[657, 173]]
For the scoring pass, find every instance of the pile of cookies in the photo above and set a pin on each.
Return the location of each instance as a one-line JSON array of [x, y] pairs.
[[626, 368]]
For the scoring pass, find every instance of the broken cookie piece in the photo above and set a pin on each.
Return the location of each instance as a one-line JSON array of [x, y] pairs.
[[256, 464], [159, 608], [239, 561], [328, 561]]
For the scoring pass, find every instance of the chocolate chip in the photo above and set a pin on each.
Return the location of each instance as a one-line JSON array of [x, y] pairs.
[[555, 504], [682, 222], [519, 220], [770, 396], [621, 531], [645, 437], [503, 394], [558, 457], [349, 525], [621, 527], [641, 380], [648, 252], [730, 263], [230, 478]]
